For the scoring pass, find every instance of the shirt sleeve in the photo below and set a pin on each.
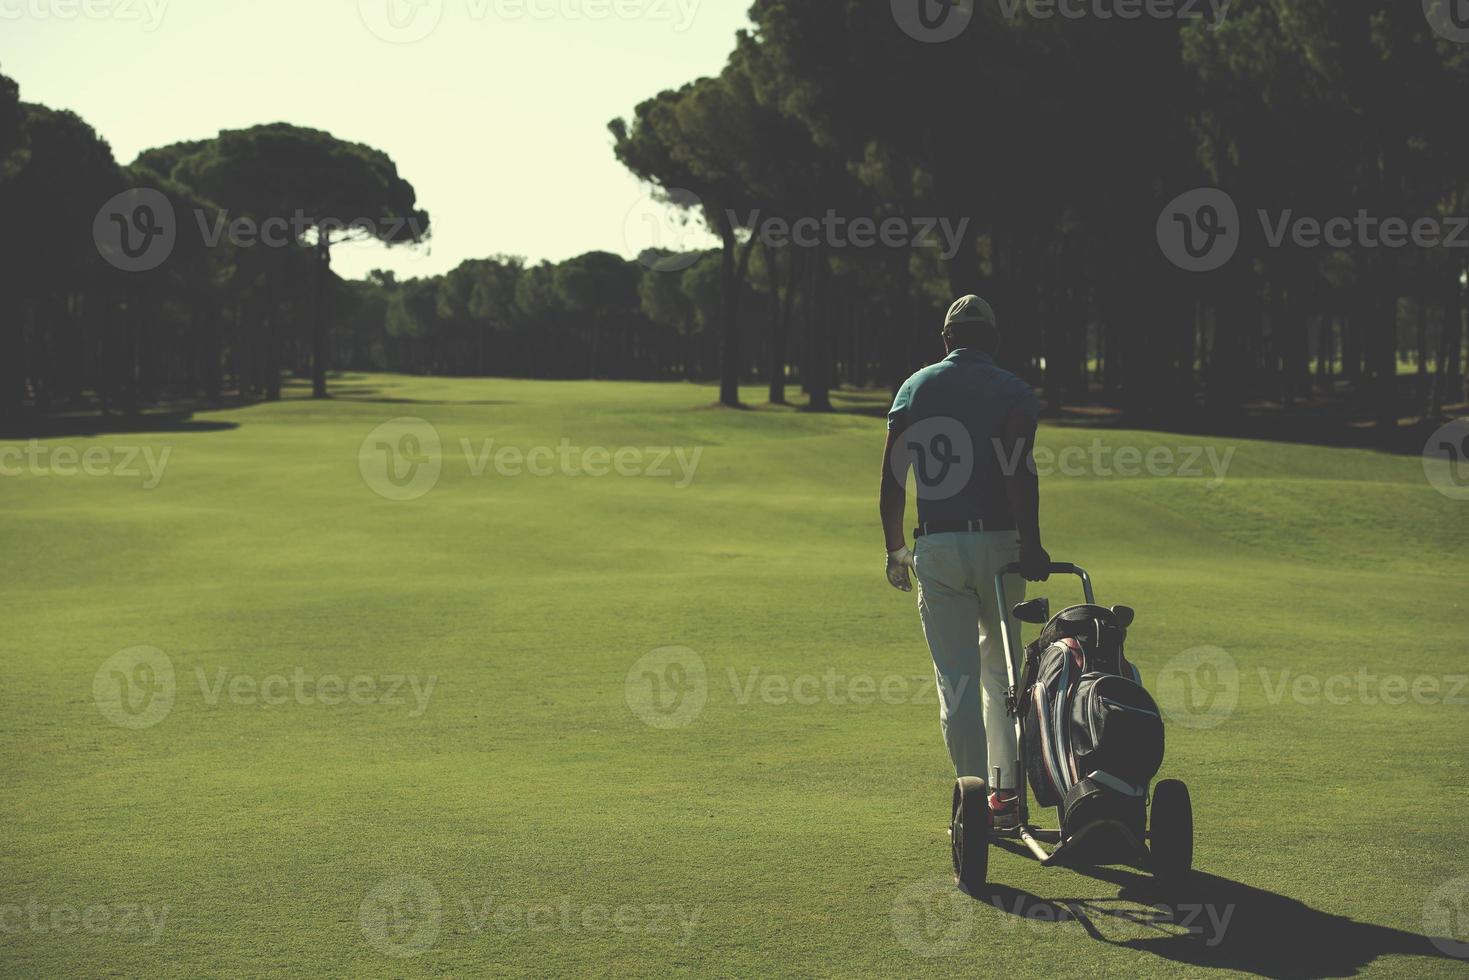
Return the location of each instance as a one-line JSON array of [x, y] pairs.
[[898, 414]]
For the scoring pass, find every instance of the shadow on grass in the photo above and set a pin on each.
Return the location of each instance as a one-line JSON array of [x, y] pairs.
[[1213, 922], [71, 426]]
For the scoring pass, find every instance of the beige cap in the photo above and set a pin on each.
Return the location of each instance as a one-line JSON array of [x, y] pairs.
[[970, 309]]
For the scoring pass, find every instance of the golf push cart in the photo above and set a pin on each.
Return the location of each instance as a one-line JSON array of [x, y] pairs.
[[1090, 741]]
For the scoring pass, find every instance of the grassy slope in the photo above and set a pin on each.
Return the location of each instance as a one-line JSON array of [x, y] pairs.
[[794, 829]]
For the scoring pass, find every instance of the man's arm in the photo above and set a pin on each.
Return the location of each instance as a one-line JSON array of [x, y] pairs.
[[891, 497], [1022, 487], [891, 501]]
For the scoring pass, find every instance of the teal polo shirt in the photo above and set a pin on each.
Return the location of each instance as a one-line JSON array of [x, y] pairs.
[[951, 417]]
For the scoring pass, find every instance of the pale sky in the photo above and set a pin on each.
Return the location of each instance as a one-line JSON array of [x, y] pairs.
[[497, 114]]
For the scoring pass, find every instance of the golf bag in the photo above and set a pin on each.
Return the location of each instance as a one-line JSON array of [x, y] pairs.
[[1091, 736]]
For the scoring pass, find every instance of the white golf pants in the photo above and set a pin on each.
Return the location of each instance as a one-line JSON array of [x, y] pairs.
[[961, 620]]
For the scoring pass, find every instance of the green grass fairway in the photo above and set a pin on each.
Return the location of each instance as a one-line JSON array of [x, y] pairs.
[[444, 736]]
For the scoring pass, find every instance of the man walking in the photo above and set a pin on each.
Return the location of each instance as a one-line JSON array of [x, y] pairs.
[[965, 427]]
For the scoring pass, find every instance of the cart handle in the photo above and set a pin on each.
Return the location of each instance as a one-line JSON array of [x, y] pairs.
[[1054, 568]]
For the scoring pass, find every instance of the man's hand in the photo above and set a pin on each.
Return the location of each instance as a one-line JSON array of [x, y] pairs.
[[898, 564], [1035, 564]]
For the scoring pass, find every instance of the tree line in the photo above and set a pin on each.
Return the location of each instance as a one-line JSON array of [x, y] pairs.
[[858, 172]]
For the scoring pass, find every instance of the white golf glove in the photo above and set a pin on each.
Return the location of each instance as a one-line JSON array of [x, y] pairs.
[[898, 564]]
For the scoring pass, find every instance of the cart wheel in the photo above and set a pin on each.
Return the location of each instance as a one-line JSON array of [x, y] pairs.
[[1171, 826], [969, 832]]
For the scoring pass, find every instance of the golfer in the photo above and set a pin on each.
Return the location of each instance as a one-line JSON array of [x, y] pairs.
[[965, 427]]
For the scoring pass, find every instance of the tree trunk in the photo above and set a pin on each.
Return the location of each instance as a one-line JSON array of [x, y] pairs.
[[1382, 348], [1445, 380], [12, 359], [732, 269], [779, 308], [816, 371], [319, 327]]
